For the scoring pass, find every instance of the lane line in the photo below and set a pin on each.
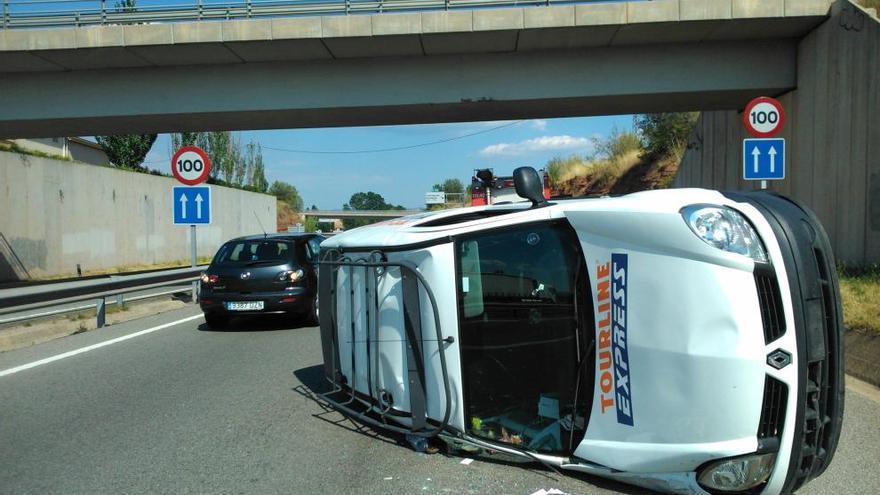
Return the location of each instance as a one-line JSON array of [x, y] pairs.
[[92, 347]]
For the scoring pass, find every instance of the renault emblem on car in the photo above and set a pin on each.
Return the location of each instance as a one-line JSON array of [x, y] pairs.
[[779, 359], [245, 275]]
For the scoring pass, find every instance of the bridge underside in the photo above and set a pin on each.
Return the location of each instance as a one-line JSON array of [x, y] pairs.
[[412, 90], [576, 60]]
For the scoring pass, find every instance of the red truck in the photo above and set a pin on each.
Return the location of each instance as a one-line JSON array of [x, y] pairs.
[[488, 189]]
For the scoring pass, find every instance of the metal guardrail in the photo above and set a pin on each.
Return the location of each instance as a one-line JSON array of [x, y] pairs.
[[51, 295], [75, 13]]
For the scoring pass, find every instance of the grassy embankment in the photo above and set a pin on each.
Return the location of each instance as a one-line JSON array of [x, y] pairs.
[[620, 165], [860, 292]]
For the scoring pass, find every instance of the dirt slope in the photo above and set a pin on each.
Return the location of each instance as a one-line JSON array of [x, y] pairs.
[[646, 174]]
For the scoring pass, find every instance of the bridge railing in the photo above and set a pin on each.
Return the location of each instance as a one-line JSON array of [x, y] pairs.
[[74, 13]]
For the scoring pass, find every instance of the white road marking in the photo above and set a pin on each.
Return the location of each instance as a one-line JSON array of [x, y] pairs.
[[48, 360]]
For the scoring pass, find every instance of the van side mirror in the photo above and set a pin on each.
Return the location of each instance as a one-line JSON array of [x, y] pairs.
[[528, 185]]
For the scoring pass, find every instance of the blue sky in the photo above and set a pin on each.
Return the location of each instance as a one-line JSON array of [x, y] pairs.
[[402, 177]]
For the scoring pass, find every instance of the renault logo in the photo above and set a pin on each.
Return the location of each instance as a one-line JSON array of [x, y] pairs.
[[245, 275], [779, 359]]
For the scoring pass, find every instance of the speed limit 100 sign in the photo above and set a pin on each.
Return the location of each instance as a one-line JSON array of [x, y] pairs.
[[190, 165], [764, 117]]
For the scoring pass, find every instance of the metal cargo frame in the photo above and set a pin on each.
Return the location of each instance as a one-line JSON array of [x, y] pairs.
[[376, 409]]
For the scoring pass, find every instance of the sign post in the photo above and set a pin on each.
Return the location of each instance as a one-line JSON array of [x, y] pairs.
[[764, 158], [191, 203]]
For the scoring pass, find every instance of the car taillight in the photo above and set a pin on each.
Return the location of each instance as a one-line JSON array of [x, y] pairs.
[[290, 275], [209, 279]]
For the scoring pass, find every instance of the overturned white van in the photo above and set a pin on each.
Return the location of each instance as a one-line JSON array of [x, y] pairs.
[[688, 341]]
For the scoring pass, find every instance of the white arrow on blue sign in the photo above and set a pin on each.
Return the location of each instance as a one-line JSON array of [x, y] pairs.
[[192, 205], [764, 159]]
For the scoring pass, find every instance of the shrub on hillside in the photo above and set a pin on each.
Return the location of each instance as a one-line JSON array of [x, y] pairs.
[[664, 134], [612, 156], [617, 146]]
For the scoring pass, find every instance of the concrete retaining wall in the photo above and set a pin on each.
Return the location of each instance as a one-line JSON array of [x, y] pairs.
[[58, 214], [832, 135]]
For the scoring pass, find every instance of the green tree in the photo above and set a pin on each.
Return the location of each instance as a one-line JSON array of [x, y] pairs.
[[366, 201], [255, 167], [231, 164], [452, 186], [180, 139], [240, 163], [128, 150], [455, 193], [259, 182], [220, 148], [665, 134], [287, 193]]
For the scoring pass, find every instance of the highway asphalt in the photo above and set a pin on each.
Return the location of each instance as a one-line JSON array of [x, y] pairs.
[[183, 409]]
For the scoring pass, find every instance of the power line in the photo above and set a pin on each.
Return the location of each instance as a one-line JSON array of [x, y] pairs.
[[380, 150], [396, 148]]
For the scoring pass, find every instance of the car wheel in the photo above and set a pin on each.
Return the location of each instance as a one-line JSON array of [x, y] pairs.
[[312, 315], [216, 321]]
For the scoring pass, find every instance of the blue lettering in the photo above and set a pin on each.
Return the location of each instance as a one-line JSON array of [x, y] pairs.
[[623, 404]]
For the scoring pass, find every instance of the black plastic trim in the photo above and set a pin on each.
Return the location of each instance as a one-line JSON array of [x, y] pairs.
[[770, 299], [812, 279]]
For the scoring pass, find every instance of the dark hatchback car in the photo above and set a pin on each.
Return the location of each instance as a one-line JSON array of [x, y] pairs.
[[262, 274]]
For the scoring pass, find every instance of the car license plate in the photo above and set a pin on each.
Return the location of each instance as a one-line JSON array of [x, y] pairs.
[[245, 306]]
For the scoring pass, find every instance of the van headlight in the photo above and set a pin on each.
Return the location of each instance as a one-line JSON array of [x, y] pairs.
[[737, 474], [725, 229]]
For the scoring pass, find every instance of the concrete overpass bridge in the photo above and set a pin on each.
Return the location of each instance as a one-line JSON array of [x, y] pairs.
[[821, 57], [573, 59]]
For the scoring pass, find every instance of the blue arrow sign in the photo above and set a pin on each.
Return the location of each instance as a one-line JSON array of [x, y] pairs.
[[764, 159], [192, 205]]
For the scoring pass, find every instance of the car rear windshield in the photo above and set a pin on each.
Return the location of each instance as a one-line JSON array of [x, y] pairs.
[[255, 251]]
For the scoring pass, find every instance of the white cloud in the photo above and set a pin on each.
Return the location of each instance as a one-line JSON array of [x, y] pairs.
[[543, 143], [539, 124]]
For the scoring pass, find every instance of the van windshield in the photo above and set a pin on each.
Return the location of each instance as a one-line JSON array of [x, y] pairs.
[[522, 348], [262, 251]]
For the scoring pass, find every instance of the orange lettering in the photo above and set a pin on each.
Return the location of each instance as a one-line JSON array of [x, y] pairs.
[[602, 288]]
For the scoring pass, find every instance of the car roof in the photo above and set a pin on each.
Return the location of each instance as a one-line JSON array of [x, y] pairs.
[[282, 236]]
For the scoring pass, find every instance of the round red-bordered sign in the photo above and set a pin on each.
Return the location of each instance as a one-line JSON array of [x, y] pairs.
[[190, 165], [764, 117]]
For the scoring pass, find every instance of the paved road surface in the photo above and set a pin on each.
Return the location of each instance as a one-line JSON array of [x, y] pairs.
[[188, 410]]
